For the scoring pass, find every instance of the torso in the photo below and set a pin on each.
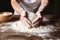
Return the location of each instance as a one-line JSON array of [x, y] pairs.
[[30, 5]]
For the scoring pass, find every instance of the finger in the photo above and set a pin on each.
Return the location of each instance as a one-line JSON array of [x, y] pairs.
[[29, 22], [30, 25], [22, 19], [37, 24]]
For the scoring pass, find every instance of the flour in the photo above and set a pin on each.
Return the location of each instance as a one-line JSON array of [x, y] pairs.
[[41, 31], [18, 26]]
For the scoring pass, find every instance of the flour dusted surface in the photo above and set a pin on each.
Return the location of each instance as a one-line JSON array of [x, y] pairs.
[[18, 26]]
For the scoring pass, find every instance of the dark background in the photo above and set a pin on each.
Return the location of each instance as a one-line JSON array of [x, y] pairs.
[[5, 6]]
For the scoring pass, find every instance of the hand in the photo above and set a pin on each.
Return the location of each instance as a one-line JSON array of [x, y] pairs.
[[38, 17], [36, 22], [24, 18]]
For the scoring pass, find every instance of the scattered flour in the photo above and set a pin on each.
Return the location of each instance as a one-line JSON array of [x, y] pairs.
[[18, 26], [41, 31]]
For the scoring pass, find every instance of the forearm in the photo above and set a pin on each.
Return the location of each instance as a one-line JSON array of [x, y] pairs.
[[16, 6], [43, 5]]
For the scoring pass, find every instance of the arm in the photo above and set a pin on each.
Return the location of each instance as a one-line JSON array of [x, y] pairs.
[[43, 5], [16, 6], [40, 9]]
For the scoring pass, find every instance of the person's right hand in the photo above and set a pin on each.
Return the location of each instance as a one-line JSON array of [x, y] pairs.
[[24, 18]]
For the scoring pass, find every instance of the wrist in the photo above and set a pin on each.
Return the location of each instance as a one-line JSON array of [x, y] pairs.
[[38, 14], [23, 13]]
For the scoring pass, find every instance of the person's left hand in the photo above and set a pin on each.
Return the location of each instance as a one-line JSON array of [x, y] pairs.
[[24, 18], [38, 14], [37, 20]]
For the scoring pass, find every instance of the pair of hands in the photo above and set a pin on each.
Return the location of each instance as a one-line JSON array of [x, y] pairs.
[[24, 18]]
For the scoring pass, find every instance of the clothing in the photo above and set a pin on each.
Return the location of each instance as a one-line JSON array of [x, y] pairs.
[[30, 5], [19, 26]]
